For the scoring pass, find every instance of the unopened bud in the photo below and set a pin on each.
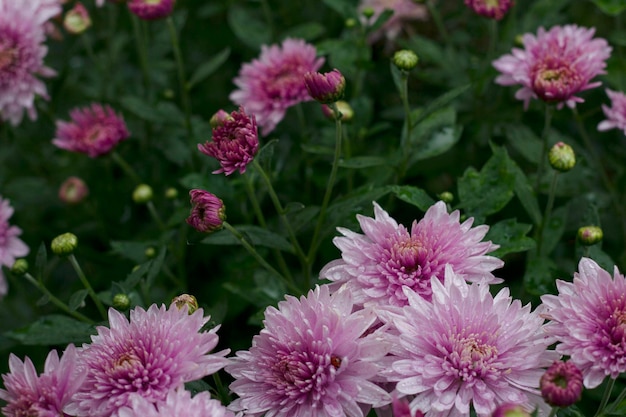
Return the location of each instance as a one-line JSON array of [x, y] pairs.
[[350, 23], [186, 300], [510, 410], [20, 267], [64, 244], [446, 197], [562, 157], [368, 12], [325, 88], [347, 114], [405, 59], [562, 384], [121, 302], [590, 235], [150, 252], [219, 118], [77, 19], [171, 193], [142, 194], [73, 190]]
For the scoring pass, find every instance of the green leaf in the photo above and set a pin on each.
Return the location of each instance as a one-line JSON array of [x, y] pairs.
[[344, 7], [254, 234], [247, 26], [439, 103], [40, 261], [307, 31], [553, 230], [359, 162], [317, 149], [301, 218], [538, 278], [140, 108], [155, 267], [438, 143], [135, 251], [511, 236], [524, 141], [354, 203], [53, 330], [413, 195], [611, 7], [135, 276], [76, 300], [207, 68]]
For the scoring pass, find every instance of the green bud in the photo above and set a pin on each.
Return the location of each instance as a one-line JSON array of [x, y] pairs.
[[446, 197], [405, 59], [368, 12], [186, 300], [150, 252], [350, 23], [590, 235], [20, 267], [64, 244], [562, 157], [171, 193], [169, 93], [121, 302], [347, 114], [142, 194]]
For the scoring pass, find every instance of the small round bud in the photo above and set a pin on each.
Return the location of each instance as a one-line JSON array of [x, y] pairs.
[[510, 410], [561, 384], [150, 252], [142, 194], [590, 235], [64, 244], [350, 23], [325, 88], [186, 300], [20, 267], [219, 118], [171, 193], [347, 114], [168, 93], [73, 190], [562, 157], [405, 59], [368, 12], [207, 211], [446, 197], [121, 302], [77, 20], [519, 40]]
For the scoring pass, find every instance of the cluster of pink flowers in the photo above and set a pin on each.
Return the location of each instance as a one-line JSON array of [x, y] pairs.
[[11, 246]]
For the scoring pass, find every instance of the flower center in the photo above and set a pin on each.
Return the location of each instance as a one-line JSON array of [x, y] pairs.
[[471, 358], [8, 55], [409, 254], [555, 81]]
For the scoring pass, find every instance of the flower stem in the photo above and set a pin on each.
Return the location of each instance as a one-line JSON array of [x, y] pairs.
[[128, 170], [155, 216], [404, 96], [434, 12], [605, 397], [617, 402], [184, 92], [544, 148], [140, 43], [329, 186], [60, 304], [548, 212], [258, 257], [83, 279], [553, 411]]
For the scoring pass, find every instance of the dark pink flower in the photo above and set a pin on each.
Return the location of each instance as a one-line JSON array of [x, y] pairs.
[[45, 395], [555, 65], [616, 114], [207, 212], [94, 131], [562, 384], [493, 9], [271, 84], [11, 246], [325, 88], [151, 9], [235, 142]]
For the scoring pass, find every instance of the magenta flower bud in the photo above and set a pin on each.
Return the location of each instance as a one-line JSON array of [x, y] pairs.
[[325, 88], [493, 9], [151, 9], [73, 190], [562, 384], [347, 114], [235, 143], [207, 212], [77, 19], [510, 410], [219, 118], [400, 408]]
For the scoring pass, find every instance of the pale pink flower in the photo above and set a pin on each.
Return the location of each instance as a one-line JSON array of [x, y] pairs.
[[178, 403], [45, 395], [616, 114], [314, 357], [493, 9], [94, 131], [157, 351], [22, 50], [587, 318], [405, 13], [11, 246], [555, 65], [466, 348], [271, 84], [376, 265]]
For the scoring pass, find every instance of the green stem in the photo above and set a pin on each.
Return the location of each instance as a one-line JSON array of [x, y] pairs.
[[258, 257], [140, 43], [329, 186], [548, 212], [83, 279], [605, 397], [404, 96], [155, 216], [60, 304], [184, 92], [617, 402], [553, 411], [544, 148], [126, 167], [434, 12]]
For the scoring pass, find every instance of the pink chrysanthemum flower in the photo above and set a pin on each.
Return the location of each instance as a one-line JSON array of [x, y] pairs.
[[22, 50], [616, 114], [151, 9], [271, 84], [467, 347], [376, 265], [587, 318], [235, 142], [493, 9], [555, 65], [325, 88], [158, 350], [313, 358], [207, 211], [562, 384], [94, 131], [177, 404], [11, 246], [405, 13], [45, 395]]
